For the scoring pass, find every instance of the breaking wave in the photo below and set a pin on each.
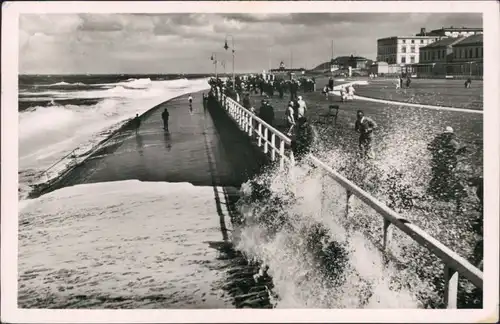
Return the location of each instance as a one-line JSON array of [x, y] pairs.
[[49, 133]]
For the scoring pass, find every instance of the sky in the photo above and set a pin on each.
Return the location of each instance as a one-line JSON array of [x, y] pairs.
[[184, 43]]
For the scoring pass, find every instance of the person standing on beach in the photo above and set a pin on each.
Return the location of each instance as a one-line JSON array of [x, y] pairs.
[[330, 83], [365, 126], [165, 116]]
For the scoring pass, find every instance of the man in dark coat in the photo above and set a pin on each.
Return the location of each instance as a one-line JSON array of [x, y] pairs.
[[165, 116], [365, 126]]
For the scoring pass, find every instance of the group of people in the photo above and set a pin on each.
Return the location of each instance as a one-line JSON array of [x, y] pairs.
[[400, 82]]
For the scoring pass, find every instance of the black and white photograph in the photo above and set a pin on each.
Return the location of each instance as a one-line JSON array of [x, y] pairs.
[[282, 157]]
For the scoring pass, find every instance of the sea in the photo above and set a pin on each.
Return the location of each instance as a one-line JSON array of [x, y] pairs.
[[123, 245]]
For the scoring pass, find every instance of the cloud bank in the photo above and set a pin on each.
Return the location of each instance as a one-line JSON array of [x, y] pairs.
[[183, 43]]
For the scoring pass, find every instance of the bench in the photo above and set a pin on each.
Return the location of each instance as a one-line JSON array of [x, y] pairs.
[[330, 117]]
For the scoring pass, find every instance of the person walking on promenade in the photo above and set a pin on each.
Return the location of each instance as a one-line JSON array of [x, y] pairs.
[[365, 126], [190, 99], [280, 89], [303, 139], [302, 107], [266, 112], [325, 91], [137, 122], [205, 99], [246, 101], [165, 116], [350, 92], [293, 90], [330, 83], [290, 119], [444, 149]]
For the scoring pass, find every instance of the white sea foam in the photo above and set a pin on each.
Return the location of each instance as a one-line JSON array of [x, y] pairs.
[[47, 134], [304, 226], [126, 244]]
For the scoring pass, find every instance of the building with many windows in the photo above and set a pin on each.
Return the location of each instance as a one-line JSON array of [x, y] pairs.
[[468, 56], [451, 32], [402, 50], [460, 56]]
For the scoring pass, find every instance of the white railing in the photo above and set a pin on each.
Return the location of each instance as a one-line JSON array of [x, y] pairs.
[[454, 264], [269, 138]]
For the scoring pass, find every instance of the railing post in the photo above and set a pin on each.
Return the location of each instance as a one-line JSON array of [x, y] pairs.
[[259, 132], [240, 117], [282, 154], [273, 147], [265, 140], [348, 196], [250, 125], [387, 235], [450, 287], [292, 159]]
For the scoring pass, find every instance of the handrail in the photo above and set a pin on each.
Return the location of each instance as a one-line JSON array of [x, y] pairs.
[[58, 161], [454, 263], [254, 116]]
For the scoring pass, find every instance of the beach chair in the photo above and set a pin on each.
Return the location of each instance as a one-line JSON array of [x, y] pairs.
[[330, 117]]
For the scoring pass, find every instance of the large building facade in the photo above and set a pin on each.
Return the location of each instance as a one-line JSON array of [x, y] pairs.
[[460, 56], [402, 50], [405, 54]]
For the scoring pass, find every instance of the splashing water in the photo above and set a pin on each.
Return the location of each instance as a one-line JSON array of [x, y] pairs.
[[314, 261], [319, 257]]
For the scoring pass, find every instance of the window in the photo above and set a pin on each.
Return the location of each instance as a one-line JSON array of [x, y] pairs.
[[412, 59], [444, 53], [439, 55], [413, 41], [412, 49], [470, 53], [403, 59], [403, 49], [404, 41], [465, 52], [421, 41], [433, 55]]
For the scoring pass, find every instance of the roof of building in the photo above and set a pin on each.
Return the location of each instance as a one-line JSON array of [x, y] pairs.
[[409, 37], [451, 28], [444, 42], [471, 40]]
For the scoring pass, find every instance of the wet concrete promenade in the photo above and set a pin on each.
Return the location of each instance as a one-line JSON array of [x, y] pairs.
[[203, 147]]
